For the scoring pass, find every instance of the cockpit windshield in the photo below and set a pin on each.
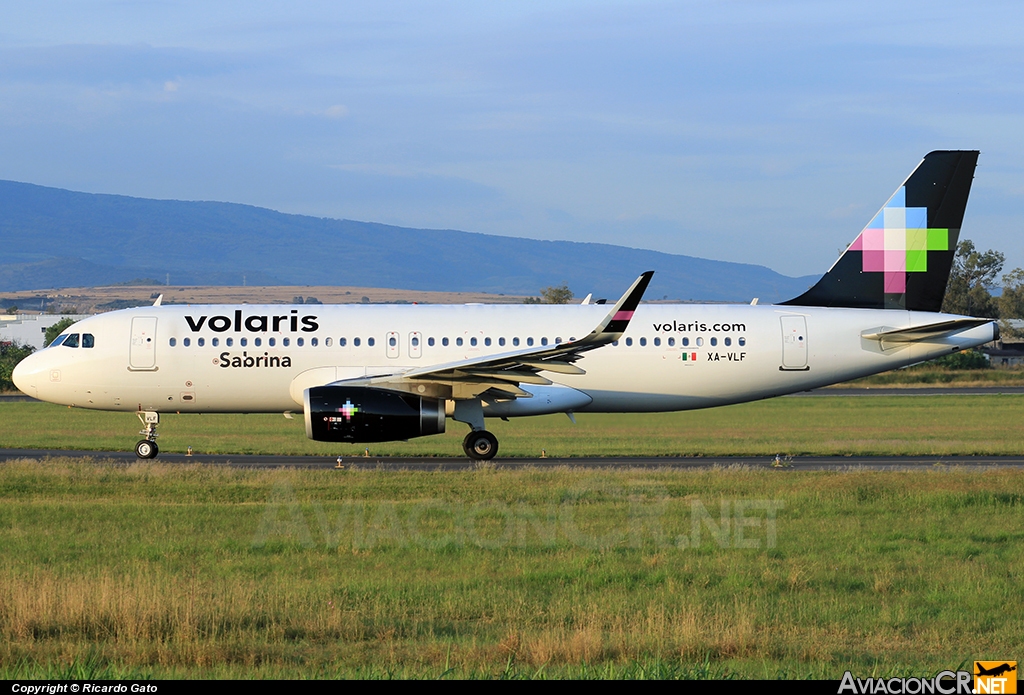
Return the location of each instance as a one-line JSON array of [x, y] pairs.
[[71, 340]]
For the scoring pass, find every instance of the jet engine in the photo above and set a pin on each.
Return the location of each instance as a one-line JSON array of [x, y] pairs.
[[359, 414]]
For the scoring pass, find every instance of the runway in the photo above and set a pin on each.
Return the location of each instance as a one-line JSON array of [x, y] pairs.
[[796, 463]]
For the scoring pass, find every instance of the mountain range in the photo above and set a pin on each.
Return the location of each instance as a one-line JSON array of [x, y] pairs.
[[52, 238]]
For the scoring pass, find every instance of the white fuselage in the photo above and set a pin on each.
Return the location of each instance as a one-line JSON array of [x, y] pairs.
[[253, 358]]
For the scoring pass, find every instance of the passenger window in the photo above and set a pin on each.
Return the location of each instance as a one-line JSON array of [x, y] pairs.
[[430, 342], [657, 342], [472, 341], [187, 342], [444, 342], [643, 342], [529, 342], [629, 342], [173, 342], [329, 341], [393, 341], [515, 341], [355, 342], [714, 341], [257, 341], [369, 341], [313, 342], [272, 342], [700, 342], [487, 342], [728, 342], [241, 341], [415, 342], [458, 341], [286, 341], [686, 342], [202, 342], [557, 341], [342, 342], [501, 342], [671, 342], [215, 342], [743, 341], [229, 342], [615, 343], [71, 341], [543, 341]]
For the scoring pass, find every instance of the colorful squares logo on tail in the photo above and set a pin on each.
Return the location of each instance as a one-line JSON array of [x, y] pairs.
[[897, 242]]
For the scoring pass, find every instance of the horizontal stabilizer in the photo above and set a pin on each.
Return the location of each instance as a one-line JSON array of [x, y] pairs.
[[919, 334]]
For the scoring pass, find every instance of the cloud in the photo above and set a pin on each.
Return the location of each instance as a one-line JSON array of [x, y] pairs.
[[336, 111]]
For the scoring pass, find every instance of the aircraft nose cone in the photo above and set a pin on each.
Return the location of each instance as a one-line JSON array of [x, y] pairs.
[[24, 376]]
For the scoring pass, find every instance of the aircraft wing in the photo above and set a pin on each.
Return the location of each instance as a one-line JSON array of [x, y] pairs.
[[501, 374]]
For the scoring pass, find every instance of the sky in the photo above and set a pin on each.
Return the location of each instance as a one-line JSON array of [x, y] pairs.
[[755, 132]]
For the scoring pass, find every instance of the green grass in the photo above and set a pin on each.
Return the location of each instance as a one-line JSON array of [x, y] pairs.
[[930, 375], [919, 425], [154, 570]]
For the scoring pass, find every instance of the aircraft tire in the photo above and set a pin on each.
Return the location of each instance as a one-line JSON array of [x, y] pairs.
[[146, 449], [480, 445]]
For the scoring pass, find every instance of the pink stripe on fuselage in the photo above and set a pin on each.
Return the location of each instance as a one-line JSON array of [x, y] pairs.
[[622, 316]]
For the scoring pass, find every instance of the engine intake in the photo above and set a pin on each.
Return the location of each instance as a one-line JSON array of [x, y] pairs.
[[359, 414]]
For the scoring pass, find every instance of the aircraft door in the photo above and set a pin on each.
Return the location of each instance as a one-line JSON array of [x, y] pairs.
[[415, 344], [794, 343], [392, 344], [142, 351]]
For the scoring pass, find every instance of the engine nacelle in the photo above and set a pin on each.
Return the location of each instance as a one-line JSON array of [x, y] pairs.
[[359, 414]]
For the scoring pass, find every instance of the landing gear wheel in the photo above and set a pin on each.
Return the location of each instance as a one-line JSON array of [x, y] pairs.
[[146, 449], [480, 445]]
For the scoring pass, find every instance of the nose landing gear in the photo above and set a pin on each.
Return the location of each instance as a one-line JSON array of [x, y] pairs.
[[147, 448]]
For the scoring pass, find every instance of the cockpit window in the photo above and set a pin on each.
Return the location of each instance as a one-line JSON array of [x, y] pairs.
[[87, 340], [71, 340], [58, 340]]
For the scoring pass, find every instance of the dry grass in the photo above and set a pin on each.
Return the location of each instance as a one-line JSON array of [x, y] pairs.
[[192, 571]]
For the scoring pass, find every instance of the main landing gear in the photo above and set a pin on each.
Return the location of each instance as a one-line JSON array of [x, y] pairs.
[[147, 448], [480, 445]]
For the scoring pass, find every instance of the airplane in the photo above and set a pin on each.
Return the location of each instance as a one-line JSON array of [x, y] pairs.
[[364, 373]]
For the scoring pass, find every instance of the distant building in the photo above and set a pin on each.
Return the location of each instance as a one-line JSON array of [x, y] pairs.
[[1008, 351], [30, 329]]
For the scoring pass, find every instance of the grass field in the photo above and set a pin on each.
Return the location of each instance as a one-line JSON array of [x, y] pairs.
[[159, 570], [921, 425], [153, 570]]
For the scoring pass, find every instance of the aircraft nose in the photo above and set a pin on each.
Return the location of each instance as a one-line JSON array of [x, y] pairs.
[[25, 375]]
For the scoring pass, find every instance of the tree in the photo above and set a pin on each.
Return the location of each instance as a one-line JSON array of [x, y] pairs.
[[10, 354], [55, 330], [1011, 303], [556, 295], [972, 274]]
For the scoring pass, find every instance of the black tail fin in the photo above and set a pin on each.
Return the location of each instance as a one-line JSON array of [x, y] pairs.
[[902, 258]]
